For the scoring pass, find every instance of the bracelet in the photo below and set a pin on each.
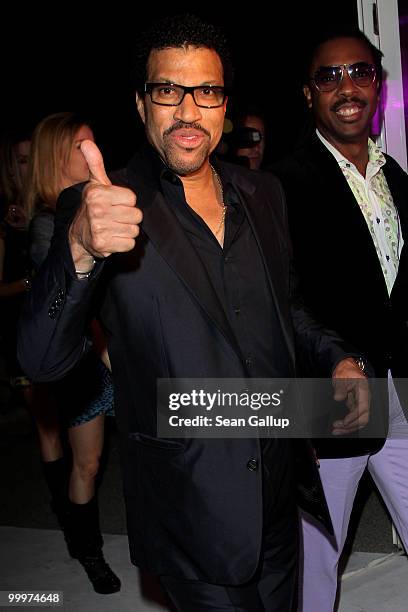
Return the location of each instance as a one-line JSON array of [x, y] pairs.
[[81, 274]]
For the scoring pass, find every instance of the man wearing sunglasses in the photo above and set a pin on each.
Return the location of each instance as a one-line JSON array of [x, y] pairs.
[[348, 215]]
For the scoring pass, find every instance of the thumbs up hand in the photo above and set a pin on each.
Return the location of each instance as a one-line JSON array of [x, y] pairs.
[[94, 159], [107, 221]]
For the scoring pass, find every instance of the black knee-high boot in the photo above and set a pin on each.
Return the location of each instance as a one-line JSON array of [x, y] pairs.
[[85, 542], [56, 474]]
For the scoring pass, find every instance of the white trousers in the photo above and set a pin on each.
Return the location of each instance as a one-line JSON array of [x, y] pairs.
[[340, 479]]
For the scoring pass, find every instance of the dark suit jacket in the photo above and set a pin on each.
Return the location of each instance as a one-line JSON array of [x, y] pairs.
[[194, 509], [340, 275]]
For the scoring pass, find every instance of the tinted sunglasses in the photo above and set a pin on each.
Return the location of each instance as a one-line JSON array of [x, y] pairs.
[[328, 78]]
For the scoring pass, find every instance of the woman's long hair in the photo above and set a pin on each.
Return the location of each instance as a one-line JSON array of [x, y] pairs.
[[50, 151]]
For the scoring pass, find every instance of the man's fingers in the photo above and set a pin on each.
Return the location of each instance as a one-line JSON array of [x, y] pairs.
[[118, 238], [109, 196], [341, 389], [115, 220], [124, 230], [356, 419], [120, 245], [94, 159], [340, 430], [344, 387], [340, 392], [356, 393], [123, 214]]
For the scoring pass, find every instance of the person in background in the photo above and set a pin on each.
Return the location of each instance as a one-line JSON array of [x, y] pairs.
[[249, 137], [348, 216], [15, 273], [15, 154], [85, 396]]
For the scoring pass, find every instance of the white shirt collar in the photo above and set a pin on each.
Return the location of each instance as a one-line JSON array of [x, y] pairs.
[[335, 152], [376, 156]]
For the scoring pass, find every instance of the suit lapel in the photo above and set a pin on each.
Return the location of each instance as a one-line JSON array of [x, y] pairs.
[[341, 204], [342, 212]]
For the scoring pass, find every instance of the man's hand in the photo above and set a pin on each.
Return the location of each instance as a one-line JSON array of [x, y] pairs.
[[108, 220], [351, 385]]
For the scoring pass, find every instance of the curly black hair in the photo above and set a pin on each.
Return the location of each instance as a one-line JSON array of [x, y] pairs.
[[181, 31], [344, 31]]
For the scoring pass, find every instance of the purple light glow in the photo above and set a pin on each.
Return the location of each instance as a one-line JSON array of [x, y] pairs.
[[403, 20]]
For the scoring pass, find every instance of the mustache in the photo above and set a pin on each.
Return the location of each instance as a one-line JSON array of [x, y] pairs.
[[180, 125], [344, 101]]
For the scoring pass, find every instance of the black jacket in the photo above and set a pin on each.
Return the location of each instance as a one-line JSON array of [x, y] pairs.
[[340, 275], [194, 508]]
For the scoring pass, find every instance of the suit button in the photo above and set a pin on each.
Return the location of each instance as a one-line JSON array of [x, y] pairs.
[[252, 465]]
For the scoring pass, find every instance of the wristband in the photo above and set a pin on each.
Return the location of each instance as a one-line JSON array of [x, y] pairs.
[[82, 274]]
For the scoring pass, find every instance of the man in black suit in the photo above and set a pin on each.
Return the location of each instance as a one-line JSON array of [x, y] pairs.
[[348, 215], [197, 283]]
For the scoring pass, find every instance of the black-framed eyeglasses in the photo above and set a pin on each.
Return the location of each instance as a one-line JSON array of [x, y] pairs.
[[328, 78], [171, 94]]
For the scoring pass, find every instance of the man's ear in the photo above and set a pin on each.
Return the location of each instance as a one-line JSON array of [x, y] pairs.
[[140, 104], [308, 95]]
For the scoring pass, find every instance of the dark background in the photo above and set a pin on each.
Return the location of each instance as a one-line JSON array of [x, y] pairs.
[[70, 58]]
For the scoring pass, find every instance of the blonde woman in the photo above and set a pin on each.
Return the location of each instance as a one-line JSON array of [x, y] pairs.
[[85, 396]]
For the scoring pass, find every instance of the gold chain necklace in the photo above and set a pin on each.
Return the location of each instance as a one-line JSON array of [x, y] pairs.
[[223, 206]]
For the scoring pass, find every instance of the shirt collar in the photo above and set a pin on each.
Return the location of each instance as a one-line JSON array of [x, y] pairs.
[[376, 157], [164, 173]]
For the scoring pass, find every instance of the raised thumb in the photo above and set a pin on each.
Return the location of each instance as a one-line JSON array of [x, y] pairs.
[[94, 159]]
